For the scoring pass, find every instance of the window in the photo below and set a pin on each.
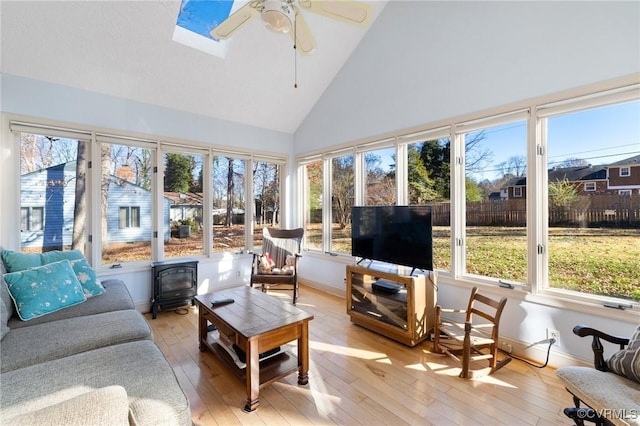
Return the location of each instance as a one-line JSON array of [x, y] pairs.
[[380, 177], [53, 193], [183, 190], [590, 253], [342, 197], [626, 192], [429, 182], [589, 186], [129, 217], [625, 171], [496, 233], [266, 194], [126, 192], [312, 195], [229, 197], [31, 218]]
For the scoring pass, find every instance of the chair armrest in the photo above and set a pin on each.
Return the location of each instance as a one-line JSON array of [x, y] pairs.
[[596, 345]]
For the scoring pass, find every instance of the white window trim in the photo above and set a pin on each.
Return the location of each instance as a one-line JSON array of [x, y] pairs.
[[517, 191], [588, 188], [625, 191], [622, 171]]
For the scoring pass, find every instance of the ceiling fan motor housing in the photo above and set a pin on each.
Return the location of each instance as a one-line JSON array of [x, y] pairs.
[[278, 15]]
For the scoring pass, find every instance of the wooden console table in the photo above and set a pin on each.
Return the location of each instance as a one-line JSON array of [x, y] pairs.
[[256, 323]]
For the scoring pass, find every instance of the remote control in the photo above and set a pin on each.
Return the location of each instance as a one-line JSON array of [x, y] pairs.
[[221, 302]]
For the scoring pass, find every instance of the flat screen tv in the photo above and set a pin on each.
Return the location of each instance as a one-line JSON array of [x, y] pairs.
[[400, 235]]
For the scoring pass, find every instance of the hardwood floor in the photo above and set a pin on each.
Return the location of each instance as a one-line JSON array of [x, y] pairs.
[[358, 377]]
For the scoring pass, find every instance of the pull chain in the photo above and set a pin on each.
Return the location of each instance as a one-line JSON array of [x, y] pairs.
[[295, 52]]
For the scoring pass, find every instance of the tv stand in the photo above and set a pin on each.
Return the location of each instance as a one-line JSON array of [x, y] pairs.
[[406, 315]]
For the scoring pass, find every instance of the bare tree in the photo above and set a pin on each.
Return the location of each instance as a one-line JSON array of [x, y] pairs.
[[105, 179], [80, 206]]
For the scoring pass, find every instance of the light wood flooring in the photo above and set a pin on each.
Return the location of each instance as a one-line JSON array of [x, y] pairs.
[[358, 377]]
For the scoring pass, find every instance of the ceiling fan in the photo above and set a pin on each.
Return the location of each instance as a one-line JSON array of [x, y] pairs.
[[283, 16]]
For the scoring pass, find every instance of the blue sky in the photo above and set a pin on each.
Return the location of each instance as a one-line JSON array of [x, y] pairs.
[[203, 16]]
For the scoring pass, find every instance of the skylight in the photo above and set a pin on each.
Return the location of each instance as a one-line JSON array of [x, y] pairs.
[[197, 18]]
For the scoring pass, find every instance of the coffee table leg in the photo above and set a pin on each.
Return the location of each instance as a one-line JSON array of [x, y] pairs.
[[303, 354], [202, 329], [253, 375]]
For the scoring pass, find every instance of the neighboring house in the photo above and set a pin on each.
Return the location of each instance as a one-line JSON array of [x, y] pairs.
[[48, 201], [589, 180], [619, 178], [624, 176], [185, 206]]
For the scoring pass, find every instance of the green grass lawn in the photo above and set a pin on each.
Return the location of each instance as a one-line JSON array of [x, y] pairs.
[[598, 261]]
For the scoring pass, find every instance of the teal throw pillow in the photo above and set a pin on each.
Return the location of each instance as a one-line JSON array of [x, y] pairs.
[[91, 285], [58, 255], [15, 261], [44, 289]]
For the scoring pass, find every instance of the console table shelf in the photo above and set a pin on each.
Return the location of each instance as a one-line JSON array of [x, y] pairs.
[[401, 307]]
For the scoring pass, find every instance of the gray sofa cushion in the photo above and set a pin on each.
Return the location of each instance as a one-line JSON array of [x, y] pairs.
[[116, 298], [154, 394], [31, 345], [102, 407]]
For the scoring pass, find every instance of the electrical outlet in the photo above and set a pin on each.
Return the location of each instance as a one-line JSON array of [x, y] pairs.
[[238, 273], [506, 347], [553, 334]]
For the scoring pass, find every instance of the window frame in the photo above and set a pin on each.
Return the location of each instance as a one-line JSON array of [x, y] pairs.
[[590, 186], [624, 171]]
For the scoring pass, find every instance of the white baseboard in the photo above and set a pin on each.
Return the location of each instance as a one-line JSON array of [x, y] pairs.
[[537, 354], [340, 292]]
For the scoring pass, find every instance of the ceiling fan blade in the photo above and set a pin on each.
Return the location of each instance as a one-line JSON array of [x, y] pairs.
[[301, 35], [235, 21], [351, 12]]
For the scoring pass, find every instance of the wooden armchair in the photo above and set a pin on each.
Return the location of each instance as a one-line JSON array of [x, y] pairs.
[[276, 266], [601, 396], [474, 340]]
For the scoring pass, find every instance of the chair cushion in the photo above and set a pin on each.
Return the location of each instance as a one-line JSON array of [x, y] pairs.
[[44, 289], [614, 396], [626, 362]]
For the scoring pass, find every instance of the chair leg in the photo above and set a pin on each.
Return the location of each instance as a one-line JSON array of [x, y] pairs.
[[466, 352]]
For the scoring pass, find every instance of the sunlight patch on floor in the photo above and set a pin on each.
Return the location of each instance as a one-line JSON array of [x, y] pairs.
[[342, 350]]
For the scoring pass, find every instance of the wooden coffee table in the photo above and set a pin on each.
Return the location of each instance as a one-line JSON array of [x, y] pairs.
[[256, 323]]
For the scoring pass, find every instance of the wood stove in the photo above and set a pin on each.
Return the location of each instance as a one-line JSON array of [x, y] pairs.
[[174, 282]]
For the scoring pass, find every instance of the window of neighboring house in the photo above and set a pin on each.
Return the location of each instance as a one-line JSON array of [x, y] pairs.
[[517, 191], [129, 217], [625, 192], [342, 199], [495, 154], [31, 218], [625, 171], [183, 191], [428, 177], [229, 203], [126, 193], [585, 257], [312, 189], [589, 186], [53, 170]]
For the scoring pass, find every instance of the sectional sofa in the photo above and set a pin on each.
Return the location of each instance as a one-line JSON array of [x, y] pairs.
[[92, 362]]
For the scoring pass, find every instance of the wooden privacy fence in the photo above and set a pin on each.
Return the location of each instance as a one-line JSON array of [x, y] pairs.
[[586, 211]]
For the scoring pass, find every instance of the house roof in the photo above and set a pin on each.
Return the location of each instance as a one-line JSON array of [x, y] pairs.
[[188, 198], [575, 174], [631, 161], [125, 49]]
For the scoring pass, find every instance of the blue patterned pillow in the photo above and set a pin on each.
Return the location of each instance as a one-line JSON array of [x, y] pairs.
[[91, 285], [44, 289]]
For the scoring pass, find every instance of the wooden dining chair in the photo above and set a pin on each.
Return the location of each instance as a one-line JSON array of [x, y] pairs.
[[275, 267], [475, 338]]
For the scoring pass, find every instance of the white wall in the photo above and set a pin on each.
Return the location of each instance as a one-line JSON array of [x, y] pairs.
[[423, 62]]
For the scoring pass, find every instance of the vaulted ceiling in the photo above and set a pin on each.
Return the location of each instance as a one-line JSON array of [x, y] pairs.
[[125, 49]]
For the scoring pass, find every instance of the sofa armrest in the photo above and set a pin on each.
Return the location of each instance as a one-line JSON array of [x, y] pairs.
[[596, 345]]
